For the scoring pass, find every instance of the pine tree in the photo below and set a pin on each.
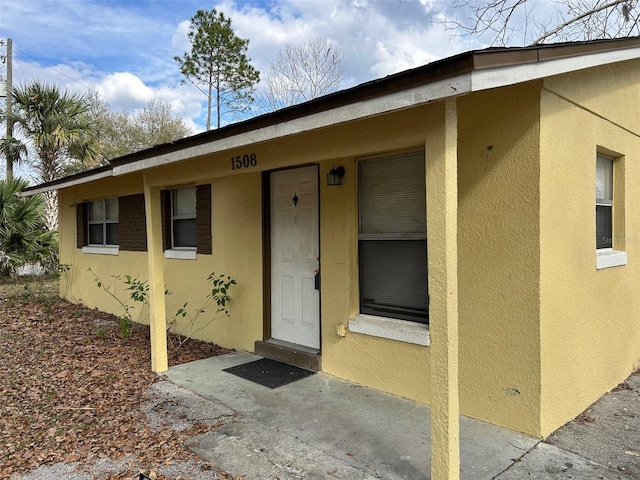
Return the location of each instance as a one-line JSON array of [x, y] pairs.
[[218, 63]]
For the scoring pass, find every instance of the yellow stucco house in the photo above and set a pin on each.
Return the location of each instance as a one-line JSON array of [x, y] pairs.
[[463, 233]]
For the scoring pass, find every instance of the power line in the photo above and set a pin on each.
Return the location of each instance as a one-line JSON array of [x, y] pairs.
[[88, 88]]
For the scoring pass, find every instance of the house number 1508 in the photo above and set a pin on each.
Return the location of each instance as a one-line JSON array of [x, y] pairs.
[[244, 161]]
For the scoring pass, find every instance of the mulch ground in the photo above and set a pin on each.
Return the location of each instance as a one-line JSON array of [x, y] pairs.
[[71, 387]]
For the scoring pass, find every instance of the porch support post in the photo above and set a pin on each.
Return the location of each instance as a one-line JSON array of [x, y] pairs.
[[157, 316], [442, 230]]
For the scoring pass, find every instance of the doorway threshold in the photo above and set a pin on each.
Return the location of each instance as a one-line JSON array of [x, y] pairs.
[[290, 353]]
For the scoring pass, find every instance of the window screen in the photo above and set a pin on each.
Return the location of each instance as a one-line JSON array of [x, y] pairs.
[[103, 222], [393, 237], [604, 202], [184, 217]]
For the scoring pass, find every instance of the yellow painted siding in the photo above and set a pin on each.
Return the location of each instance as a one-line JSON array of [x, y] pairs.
[[78, 285], [442, 223], [498, 257], [237, 251], [590, 319], [542, 333], [393, 366]]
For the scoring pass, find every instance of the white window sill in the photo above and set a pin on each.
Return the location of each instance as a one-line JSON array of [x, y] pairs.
[[181, 253], [101, 249], [608, 257], [391, 328]]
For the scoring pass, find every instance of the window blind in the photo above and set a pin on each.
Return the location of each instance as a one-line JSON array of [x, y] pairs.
[[604, 202], [392, 195], [392, 237], [604, 180]]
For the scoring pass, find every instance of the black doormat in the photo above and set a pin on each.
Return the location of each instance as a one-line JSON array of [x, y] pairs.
[[269, 373]]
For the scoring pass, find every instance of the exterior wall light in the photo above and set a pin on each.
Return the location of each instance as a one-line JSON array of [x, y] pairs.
[[334, 177]]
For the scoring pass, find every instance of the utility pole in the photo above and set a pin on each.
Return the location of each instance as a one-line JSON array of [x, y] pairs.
[[9, 106]]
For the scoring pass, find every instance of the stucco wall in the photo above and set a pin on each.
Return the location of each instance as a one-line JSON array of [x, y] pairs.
[[237, 251], [390, 365], [542, 333], [498, 253], [498, 256], [498, 233], [78, 284], [590, 319]]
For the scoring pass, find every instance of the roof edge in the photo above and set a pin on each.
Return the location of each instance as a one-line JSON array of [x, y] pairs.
[[483, 62], [76, 179]]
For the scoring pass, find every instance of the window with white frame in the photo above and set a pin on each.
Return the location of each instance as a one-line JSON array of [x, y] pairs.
[[392, 237], [183, 217], [103, 222], [604, 202]]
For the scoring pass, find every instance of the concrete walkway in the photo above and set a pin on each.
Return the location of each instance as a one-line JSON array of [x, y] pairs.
[[321, 427]]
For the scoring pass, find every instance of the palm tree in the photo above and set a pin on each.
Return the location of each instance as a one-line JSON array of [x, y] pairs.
[[24, 238], [12, 150], [54, 124]]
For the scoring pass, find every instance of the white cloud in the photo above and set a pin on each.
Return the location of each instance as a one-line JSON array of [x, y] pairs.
[[186, 101], [376, 38], [180, 39], [124, 89], [76, 77], [125, 50]]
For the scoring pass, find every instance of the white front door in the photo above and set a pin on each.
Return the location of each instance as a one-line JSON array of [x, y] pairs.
[[295, 300]]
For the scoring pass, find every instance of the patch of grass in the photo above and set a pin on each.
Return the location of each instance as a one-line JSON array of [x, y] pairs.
[[102, 334], [42, 290]]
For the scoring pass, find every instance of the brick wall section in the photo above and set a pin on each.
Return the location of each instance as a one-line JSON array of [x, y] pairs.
[[132, 223], [82, 225], [203, 219]]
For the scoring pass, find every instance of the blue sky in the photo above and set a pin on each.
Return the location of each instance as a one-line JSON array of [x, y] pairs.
[[124, 49]]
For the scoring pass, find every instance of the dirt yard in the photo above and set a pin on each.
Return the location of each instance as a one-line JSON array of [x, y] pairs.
[[74, 391]]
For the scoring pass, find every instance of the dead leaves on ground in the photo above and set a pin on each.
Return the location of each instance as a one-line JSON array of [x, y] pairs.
[[72, 389]]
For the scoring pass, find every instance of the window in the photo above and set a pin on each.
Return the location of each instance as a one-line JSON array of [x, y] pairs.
[[109, 225], [392, 237], [186, 221], [103, 222], [610, 212], [604, 202], [183, 217]]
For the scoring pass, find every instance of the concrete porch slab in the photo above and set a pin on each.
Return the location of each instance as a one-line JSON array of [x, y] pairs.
[[324, 427]]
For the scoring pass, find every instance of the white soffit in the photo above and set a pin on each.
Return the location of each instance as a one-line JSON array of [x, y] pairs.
[[512, 74], [69, 183]]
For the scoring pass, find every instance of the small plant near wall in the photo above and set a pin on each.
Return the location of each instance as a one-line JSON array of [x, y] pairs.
[[138, 292], [219, 296], [64, 270]]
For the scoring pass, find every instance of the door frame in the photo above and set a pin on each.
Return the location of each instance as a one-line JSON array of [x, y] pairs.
[[266, 251]]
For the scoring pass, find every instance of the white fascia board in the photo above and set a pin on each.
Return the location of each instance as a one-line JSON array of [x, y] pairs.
[[439, 90], [69, 183], [510, 75], [474, 81]]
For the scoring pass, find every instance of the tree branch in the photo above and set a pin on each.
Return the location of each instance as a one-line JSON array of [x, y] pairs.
[[577, 18]]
